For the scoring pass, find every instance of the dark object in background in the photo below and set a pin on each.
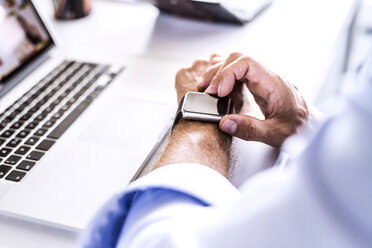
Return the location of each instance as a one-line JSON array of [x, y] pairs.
[[32, 33], [71, 9], [214, 11]]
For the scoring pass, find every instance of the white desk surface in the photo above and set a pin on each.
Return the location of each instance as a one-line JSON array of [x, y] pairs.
[[295, 38]]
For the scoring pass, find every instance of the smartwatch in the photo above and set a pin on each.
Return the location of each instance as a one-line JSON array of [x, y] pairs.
[[203, 107]]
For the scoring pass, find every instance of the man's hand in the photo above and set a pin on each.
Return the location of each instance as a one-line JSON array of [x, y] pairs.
[[187, 78], [193, 141], [282, 105]]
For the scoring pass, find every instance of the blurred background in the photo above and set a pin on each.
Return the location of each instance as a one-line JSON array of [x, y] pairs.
[[361, 36], [302, 30], [317, 45]]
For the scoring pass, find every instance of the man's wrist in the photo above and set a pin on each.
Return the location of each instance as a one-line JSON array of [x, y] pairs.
[[198, 142], [198, 126], [205, 130]]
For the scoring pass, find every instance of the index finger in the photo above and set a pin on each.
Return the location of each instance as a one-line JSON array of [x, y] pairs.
[[215, 58], [244, 69], [213, 85]]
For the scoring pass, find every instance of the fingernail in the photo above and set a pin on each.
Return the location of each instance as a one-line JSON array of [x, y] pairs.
[[200, 84], [211, 89], [220, 88], [229, 126], [200, 87], [208, 90]]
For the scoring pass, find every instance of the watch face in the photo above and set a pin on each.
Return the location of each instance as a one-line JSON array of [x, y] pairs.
[[202, 103]]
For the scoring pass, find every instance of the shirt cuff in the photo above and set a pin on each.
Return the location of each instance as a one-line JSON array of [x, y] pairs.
[[197, 180]]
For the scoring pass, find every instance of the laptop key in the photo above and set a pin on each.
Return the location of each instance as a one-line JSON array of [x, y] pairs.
[[64, 94], [49, 123], [65, 107], [9, 118], [56, 102], [22, 150], [40, 132], [31, 125], [57, 115], [35, 155], [16, 125], [15, 175], [25, 117], [35, 108], [72, 101], [51, 106], [47, 110], [4, 169], [12, 160], [2, 141], [32, 141], [26, 165], [14, 142], [26, 103], [7, 134], [53, 91], [45, 145], [41, 102], [22, 134], [16, 112], [3, 124], [40, 117], [5, 152]]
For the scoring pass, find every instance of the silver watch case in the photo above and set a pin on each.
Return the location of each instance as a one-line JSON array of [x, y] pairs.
[[201, 116]]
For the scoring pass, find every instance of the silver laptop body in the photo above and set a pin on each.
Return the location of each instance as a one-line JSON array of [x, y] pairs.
[[85, 152]]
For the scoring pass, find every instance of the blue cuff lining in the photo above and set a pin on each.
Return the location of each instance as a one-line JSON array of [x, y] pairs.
[[106, 227]]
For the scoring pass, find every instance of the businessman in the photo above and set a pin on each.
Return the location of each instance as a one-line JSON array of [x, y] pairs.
[[321, 198]]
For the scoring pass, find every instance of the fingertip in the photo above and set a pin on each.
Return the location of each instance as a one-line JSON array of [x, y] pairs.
[[215, 55], [212, 89], [228, 125], [222, 90], [201, 86], [209, 90], [216, 60], [201, 81]]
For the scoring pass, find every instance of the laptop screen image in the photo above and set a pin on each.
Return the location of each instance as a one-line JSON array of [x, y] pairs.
[[24, 37]]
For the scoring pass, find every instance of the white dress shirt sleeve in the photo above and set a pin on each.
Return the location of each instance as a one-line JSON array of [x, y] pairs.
[[167, 189]]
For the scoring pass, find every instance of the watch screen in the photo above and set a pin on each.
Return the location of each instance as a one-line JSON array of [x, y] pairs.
[[206, 104]]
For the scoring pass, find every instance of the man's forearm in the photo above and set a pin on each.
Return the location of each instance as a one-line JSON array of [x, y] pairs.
[[198, 142]]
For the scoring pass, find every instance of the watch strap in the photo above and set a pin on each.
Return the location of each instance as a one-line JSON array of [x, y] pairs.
[[178, 113]]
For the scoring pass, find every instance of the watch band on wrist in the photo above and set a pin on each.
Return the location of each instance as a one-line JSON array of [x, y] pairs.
[[179, 112]]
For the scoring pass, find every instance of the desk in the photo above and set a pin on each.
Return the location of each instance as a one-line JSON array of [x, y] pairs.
[[298, 39]]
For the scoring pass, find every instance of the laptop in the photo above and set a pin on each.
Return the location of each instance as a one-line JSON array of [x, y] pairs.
[[72, 133], [227, 11]]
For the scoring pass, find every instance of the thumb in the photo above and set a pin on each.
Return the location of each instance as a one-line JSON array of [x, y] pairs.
[[243, 126]]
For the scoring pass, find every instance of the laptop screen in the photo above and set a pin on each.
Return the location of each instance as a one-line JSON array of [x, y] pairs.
[[23, 37]]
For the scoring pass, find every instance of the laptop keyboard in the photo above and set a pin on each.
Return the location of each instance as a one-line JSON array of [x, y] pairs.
[[35, 122]]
